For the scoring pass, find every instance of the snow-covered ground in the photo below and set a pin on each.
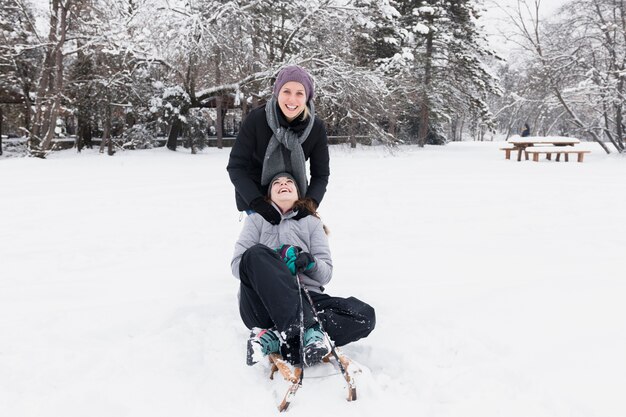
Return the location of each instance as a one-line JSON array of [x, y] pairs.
[[499, 286]]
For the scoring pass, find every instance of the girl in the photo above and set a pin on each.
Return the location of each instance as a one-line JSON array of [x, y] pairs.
[[269, 260]]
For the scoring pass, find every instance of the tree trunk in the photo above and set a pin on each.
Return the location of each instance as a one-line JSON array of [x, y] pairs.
[[28, 105], [1, 119], [84, 133], [244, 109], [51, 80], [110, 150], [60, 31], [191, 140], [45, 79], [393, 125], [461, 129], [424, 119], [453, 126], [219, 123], [422, 133], [58, 81], [106, 134], [619, 120], [175, 129]]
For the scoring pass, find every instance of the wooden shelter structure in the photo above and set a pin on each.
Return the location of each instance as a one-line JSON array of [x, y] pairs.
[[8, 98], [223, 105]]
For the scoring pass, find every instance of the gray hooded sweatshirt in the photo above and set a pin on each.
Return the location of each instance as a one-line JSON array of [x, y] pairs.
[[307, 233]]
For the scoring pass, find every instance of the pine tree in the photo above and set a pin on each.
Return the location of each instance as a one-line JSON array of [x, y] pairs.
[[19, 56], [376, 36], [442, 54]]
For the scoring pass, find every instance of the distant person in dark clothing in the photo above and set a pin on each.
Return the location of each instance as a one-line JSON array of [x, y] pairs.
[[279, 137], [526, 130]]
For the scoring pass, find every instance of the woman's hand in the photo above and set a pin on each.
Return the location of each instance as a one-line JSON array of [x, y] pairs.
[[266, 210], [303, 262], [302, 213], [306, 209]]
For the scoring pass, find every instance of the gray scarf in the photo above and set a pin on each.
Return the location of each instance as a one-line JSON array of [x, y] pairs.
[[275, 160]]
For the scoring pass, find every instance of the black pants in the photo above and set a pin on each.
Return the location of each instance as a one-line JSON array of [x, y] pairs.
[[269, 298]]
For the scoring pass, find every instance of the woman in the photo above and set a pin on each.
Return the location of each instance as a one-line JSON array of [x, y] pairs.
[[278, 137], [269, 260]]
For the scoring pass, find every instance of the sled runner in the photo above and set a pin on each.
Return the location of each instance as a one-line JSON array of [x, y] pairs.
[[294, 374]]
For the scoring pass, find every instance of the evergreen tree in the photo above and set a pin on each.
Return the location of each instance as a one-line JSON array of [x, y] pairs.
[[376, 36], [19, 56], [442, 54]]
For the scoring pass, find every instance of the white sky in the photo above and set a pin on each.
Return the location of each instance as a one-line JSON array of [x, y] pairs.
[[496, 20], [494, 7]]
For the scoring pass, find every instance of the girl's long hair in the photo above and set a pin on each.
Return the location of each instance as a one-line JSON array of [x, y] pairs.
[[310, 206], [306, 204]]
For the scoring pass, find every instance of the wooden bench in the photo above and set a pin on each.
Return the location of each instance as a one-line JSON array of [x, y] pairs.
[[507, 151], [535, 151]]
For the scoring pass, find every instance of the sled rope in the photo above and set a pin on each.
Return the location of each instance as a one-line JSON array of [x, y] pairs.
[[296, 376], [317, 318]]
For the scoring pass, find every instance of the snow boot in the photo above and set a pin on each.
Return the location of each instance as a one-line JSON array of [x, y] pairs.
[[261, 343], [316, 345]]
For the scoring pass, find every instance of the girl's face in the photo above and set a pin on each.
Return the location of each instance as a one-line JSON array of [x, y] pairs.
[[292, 99], [284, 191]]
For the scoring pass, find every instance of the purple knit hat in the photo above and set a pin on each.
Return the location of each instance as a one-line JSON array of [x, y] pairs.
[[297, 74]]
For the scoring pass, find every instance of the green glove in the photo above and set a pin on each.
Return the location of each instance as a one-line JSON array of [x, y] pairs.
[[287, 252], [304, 261]]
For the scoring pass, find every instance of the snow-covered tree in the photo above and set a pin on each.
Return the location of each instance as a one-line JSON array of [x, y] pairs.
[[597, 28], [442, 53], [579, 58], [236, 48], [51, 84], [385, 68], [19, 55]]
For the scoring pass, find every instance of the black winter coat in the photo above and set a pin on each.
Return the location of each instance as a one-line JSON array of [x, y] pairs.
[[246, 157]]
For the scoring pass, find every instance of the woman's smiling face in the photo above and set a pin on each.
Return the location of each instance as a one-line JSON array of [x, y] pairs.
[[292, 99]]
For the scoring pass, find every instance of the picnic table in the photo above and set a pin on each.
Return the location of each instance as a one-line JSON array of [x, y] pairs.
[[521, 145]]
